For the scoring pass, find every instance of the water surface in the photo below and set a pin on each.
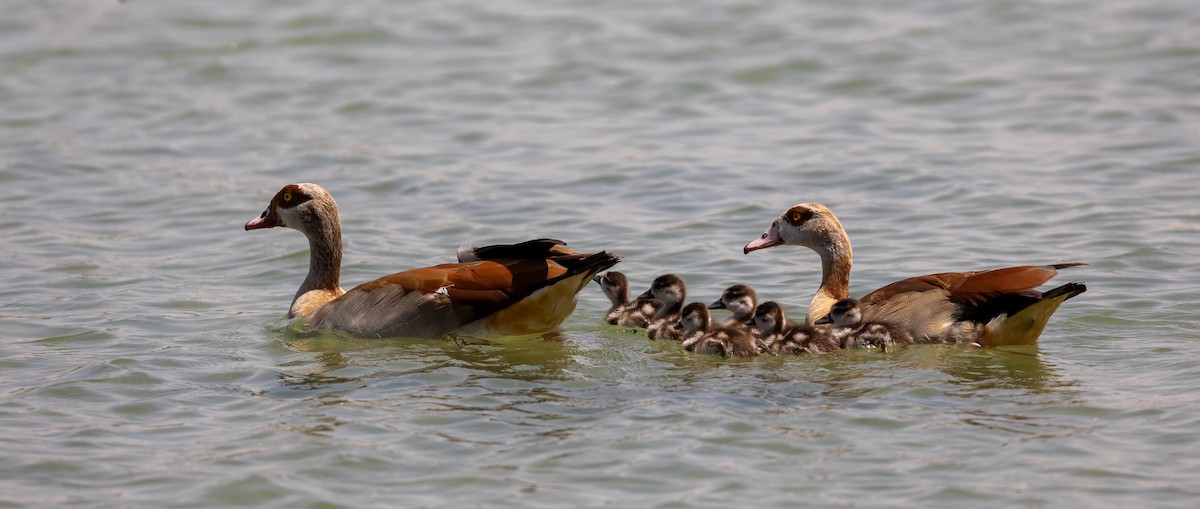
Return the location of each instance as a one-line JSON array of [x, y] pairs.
[[145, 360]]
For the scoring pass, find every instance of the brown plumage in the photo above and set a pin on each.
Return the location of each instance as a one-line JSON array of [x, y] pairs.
[[522, 288], [990, 308], [849, 331], [701, 336], [624, 312], [779, 337], [671, 291], [739, 299], [974, 288]]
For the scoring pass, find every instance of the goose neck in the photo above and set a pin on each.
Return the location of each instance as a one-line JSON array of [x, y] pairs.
[[836, 260], [325, 255]]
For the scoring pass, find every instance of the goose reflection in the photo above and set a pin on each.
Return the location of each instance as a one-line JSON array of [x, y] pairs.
[[341, 362], [1011, 368]]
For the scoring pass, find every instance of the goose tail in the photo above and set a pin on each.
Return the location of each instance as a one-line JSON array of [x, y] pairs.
[[1024, 326]]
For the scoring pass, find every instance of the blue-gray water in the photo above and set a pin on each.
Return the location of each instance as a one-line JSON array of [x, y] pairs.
[[145, 360]]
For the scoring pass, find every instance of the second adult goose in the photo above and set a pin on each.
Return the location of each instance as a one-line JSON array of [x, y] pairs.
[[990, 308], [524, 288]]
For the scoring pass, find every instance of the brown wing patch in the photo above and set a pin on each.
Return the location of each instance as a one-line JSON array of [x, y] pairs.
[[973, 287], [979, 296], [562, 250], [485, 284], [427, 280], [943, 281], [1006, 280], [404, 303], [499, 284]]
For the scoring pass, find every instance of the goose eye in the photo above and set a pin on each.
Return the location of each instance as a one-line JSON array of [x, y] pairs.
[[287, 197], [796, 216]]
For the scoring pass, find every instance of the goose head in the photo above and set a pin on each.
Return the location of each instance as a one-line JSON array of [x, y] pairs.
[[738, 299], [614, 285], [814, 226], [844, 313], [768, 317], [811, 225], [308, 208], [695, 317], [668, 289]]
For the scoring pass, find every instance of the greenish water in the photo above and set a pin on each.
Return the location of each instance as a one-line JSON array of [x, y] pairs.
[[145, 360]]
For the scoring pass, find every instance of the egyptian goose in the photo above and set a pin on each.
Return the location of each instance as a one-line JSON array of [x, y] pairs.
[[524, 288], [623, 312], [741, 301], [780, 338], [702, 337], [671, 291], [989, 308], [847, 327]]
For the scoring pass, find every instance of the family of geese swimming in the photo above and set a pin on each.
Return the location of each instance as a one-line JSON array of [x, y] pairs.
[[530, 288]]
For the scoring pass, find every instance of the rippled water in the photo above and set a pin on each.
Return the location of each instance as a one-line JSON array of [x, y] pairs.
[[145, 360]]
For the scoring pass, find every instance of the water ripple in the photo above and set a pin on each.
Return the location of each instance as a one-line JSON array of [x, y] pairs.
[[148, 362]]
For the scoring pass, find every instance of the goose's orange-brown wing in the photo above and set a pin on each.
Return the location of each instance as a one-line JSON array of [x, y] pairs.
[[487, 285], [973, 287], [924, 283], [433, 301], [981, 286]]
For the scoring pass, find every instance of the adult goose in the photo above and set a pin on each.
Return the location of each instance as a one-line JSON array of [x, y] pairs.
[[989, 308], [524, 288]]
